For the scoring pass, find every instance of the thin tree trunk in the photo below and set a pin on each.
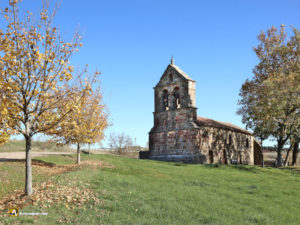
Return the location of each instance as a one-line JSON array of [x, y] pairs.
[[295, 153], [78, 153], [287, 154], [89, 149], [262, 153], [279, 153], [262, 158], [28, 168]]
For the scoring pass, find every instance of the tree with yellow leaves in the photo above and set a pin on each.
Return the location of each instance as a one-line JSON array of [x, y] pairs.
[[96, 120], [35, 76], [85, 124]]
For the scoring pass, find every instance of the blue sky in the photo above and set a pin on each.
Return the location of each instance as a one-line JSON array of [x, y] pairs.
[[131, 43]]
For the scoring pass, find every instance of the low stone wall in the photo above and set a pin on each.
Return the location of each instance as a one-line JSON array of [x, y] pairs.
[[180, 158], [144, 154]]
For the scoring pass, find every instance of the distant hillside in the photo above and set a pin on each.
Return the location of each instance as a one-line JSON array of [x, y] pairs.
[[38, 146]]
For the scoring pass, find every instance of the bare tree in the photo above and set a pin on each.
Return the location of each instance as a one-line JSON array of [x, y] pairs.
[[120, 142]]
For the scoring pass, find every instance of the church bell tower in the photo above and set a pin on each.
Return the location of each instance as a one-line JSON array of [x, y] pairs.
[[175, 114], [174, 97]]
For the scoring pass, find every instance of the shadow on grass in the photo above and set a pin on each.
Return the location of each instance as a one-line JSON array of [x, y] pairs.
[[247, 168], [252, 169], [291, 169], [38, 162], [11, 160], [213, 165], [70, 156], [179, 164]]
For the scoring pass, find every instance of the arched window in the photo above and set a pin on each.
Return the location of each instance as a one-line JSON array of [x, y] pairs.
[[165, 100], [170, 77], [176, 98]]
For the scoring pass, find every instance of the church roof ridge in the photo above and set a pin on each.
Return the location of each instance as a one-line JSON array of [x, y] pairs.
[[219, 124], [180, 71]]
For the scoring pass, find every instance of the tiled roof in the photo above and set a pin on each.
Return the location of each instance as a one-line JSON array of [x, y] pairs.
[[201, 121]]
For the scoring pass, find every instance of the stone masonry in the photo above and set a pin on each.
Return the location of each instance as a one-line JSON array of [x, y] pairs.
[[179, 135]]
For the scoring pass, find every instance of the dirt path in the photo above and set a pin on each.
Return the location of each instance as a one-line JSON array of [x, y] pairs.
[[6, 156]]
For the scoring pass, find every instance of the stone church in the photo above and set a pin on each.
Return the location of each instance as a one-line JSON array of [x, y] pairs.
[[179, 135]]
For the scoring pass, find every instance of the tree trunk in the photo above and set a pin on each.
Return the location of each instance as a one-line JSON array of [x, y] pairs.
[[89, 149], [279, 152], [262, 153], [287, 154], [28, 168], [78, 153], [295, 153]]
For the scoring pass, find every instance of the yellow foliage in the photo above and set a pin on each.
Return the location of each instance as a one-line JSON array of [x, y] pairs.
[[34, 70], [3, 137], [87, 121]]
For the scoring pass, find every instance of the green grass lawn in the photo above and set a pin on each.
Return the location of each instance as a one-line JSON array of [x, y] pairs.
[[150, 192]]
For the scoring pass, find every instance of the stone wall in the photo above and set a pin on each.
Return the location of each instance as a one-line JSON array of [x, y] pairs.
[[224, 146], [174, 145], [174, 119], [202, 145]]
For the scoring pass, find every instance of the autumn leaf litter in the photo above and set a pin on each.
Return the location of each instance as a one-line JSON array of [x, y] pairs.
[[69, 193]]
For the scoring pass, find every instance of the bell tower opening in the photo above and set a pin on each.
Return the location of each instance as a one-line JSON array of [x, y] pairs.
[[176, 98], [165, 100]]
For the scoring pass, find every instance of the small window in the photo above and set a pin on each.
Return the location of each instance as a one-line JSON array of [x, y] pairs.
[[171, 77], [247, 143]]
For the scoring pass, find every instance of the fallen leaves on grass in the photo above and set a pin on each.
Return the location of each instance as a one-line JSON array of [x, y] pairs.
[[69, 193], [51, 192]]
